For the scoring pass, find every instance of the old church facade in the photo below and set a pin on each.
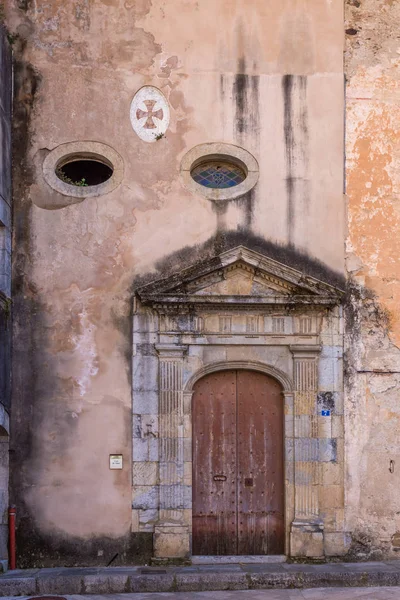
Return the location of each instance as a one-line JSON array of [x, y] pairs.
[[205, 353]]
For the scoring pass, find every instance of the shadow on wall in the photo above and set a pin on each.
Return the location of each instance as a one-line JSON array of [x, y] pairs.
[[191, 256]]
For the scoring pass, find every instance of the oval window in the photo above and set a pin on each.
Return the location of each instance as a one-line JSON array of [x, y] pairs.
[[84, 171], [218, 174]]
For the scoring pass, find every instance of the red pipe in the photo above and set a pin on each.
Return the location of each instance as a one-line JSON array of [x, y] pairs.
[[12, 511]]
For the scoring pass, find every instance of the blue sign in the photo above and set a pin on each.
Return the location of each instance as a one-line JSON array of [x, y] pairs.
[[325, 413]]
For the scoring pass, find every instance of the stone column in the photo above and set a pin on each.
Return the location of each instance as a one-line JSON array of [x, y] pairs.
[[306, 538], [171, 533]]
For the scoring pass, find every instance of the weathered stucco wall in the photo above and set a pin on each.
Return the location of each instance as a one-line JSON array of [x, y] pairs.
[[373, 325], [265, 76]]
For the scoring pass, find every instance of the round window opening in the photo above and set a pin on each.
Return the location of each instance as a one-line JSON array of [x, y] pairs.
[[218, 174], [84, 171]]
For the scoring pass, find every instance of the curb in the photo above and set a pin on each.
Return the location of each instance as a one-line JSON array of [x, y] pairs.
[[175, 580]]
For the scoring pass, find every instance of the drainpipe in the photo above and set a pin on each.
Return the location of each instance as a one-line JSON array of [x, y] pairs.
[[12, 511]]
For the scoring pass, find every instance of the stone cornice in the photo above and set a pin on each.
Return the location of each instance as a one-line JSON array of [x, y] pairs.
[[284, 286]]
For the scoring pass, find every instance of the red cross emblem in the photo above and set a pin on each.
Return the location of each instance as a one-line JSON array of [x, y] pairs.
[[150, 114]]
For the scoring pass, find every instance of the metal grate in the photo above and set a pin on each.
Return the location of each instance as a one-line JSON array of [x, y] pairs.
[[151, 571]]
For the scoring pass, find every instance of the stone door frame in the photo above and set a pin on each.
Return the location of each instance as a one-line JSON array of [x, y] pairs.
[[201, 320], [171, 469]]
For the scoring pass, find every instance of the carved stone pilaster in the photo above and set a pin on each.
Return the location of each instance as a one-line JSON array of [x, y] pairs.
[[171, 536], [307, 528]]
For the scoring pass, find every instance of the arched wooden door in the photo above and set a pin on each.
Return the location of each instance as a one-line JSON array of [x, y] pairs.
[[238, 482]]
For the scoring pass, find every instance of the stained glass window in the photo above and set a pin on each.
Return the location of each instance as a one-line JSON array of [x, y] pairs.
[[219, 175]]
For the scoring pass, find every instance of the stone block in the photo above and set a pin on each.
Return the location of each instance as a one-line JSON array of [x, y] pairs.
[[168, 428], [187, 473], [141, 338], [331, 496], [151, 583], [289, 450], [214, 354], [5, 213], [289, 470], [289, 404], [306, 544], [337, 426], [326, 400], [145, 496], [330, 369], [187, 516], [327, 450], [177, 517], [303, 426], [187, 426], [145, 374], [18, 586], [175, 496], [336, 544], [187, 449], [6, 75], [135, 521], [187, 497], [304, 475], [211, 581], [306, 449], [145, 402], [114, 583], [145, 322], [61, 584], [171, 474], [324, 426], [147, 519], [340, 450], [5, 284], [333, 519], [145, 425], [144, 450], [5, 156], [144, 473], [5, 239], [5, 262], [171, 544], [330, 473]]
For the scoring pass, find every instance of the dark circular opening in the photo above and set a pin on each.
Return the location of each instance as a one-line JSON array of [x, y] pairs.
[[218, 174], [84, 172]]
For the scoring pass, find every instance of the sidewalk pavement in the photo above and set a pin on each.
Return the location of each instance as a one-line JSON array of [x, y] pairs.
[[366, 593], [117, 580]]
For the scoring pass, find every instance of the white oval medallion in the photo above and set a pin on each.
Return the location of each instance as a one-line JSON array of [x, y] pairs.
[[149, 113]]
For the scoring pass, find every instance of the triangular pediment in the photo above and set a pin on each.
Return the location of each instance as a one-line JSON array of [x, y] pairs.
[[236, 277]]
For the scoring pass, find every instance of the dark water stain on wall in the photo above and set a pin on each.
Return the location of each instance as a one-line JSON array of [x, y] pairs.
[[246, 99], [49, 550], [296, 136], [247, 122], [288, 129], [190, 256]]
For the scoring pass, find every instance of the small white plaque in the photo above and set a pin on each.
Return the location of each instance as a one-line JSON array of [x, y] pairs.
[[149, 113], [115, 461]]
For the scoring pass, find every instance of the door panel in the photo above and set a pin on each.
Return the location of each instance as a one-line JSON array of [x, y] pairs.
[[214, 459], [238, 483], [260, 464]]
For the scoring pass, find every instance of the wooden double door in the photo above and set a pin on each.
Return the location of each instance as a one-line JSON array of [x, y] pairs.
[[238, 482]]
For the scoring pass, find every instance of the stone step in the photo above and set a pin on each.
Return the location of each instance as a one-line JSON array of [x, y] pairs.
[[117, 580]]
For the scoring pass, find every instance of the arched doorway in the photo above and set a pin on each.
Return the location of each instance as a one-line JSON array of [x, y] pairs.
[[238, 472]]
